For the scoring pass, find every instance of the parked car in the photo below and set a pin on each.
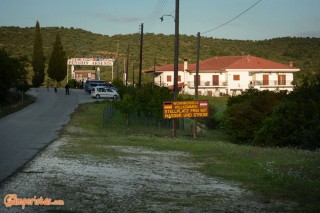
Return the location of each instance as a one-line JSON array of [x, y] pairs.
[[93, 83], [104, 92]]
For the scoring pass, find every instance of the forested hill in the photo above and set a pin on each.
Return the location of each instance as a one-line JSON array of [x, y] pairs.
[[305, 52]]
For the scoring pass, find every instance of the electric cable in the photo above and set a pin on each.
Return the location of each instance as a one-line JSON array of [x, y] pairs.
[[154, 16], [232, 18]]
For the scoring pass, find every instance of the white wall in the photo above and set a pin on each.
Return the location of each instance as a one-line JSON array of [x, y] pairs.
[[232, 85], [239, 85]]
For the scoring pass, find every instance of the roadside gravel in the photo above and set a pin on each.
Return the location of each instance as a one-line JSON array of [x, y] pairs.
[[135, 180]]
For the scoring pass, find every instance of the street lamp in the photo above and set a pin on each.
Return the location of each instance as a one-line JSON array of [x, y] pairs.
[[162, 17], [176, 61]]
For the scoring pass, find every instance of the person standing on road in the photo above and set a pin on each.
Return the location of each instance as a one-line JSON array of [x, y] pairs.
[[67, 89]]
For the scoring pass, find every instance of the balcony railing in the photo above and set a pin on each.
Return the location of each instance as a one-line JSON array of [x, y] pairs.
[[208, 84], [191, 84], [284, 83]]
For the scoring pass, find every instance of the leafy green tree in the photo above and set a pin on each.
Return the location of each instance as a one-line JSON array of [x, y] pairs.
[[127, 106], [57, 68], [38, 59], [245, 113], [21, 81], [7, 74], [295, 122], [13, 73], [150, 101]]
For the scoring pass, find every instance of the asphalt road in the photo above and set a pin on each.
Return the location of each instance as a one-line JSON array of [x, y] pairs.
[[23, 134]]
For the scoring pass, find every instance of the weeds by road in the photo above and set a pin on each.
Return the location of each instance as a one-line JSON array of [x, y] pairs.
[[112, 167]]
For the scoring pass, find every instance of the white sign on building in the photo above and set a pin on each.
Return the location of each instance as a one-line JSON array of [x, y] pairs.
[[89, 62]]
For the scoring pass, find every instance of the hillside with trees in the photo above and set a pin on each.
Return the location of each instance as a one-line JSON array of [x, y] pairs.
[[159, 48]]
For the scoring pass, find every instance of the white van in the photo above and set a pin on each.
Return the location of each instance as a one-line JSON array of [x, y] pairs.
[[104, 92]]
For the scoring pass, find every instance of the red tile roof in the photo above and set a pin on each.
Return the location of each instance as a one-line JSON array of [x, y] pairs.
[[222, 63], [168, 67]]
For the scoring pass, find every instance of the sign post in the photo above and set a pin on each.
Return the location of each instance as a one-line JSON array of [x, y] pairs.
[[185, 109]]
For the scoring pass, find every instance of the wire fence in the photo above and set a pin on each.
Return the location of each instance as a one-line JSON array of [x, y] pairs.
[[140, 119], [107, 112]]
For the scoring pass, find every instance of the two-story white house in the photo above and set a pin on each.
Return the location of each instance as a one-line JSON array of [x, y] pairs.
[[228, 75]]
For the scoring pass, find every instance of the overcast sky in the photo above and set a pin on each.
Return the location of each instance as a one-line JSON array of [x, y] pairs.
[[268, 19]]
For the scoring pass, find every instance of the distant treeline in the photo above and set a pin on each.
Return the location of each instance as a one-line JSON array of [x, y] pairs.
[[159, 48]]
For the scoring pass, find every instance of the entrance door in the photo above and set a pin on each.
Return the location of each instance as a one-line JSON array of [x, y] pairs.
[[215, 80], [265, 80]]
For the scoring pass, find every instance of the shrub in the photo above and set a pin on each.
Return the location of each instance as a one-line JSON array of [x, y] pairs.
[[245, 113], [296, 122]]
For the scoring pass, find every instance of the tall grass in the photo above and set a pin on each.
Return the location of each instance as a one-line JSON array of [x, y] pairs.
[[275, 173]]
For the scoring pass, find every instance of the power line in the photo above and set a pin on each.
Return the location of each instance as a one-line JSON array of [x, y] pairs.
[[154, 16], [232, 18]]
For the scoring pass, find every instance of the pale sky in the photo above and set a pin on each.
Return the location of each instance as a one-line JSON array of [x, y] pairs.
[[268, 19]]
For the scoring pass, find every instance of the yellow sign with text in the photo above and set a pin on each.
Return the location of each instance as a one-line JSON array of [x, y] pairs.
[[185, 109]]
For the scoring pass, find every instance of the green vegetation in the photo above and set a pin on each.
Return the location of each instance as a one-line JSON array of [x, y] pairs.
[[305, 52], [266, 118], [296, 121], [146, 99], [38, 58], [272, 173], [245, 113], [13, 104], [57, 69], [13, 73]]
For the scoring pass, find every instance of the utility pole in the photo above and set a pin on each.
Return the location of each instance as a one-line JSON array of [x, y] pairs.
[[197, 82], [132, 74], [154, 69], [197, 67], [117, 61], [176, 65], [140, 66], [127, 65]]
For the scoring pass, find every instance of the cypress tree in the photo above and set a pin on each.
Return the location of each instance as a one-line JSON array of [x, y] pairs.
[[38, 59], [57, 69]]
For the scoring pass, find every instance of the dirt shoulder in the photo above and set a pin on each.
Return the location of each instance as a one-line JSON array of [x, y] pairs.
[[131, 179]]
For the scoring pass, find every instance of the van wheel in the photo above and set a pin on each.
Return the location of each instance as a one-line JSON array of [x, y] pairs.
[[97, 96], [115, 97]]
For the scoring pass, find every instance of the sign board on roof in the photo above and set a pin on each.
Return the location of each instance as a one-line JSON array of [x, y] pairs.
[[91, 61], [185, 109]]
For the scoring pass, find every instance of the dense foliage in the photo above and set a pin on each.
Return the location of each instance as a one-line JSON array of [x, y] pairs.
[[13, 73], [245, 113], [305, 52], [296, 121], [38, 59], [146, 100], [57, 69], [267, 118]]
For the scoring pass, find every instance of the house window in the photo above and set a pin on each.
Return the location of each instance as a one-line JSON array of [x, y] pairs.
[[169, 79], [236, 77], [215, 80], [209, 93], [265, 79], [179, 77], [281, 79], [195, 80]]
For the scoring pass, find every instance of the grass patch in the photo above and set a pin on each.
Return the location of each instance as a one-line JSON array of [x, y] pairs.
[[276, 173], [14, 104]]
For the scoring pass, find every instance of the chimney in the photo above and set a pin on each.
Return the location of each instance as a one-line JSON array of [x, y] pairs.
[[291, 63], [185, 64]]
